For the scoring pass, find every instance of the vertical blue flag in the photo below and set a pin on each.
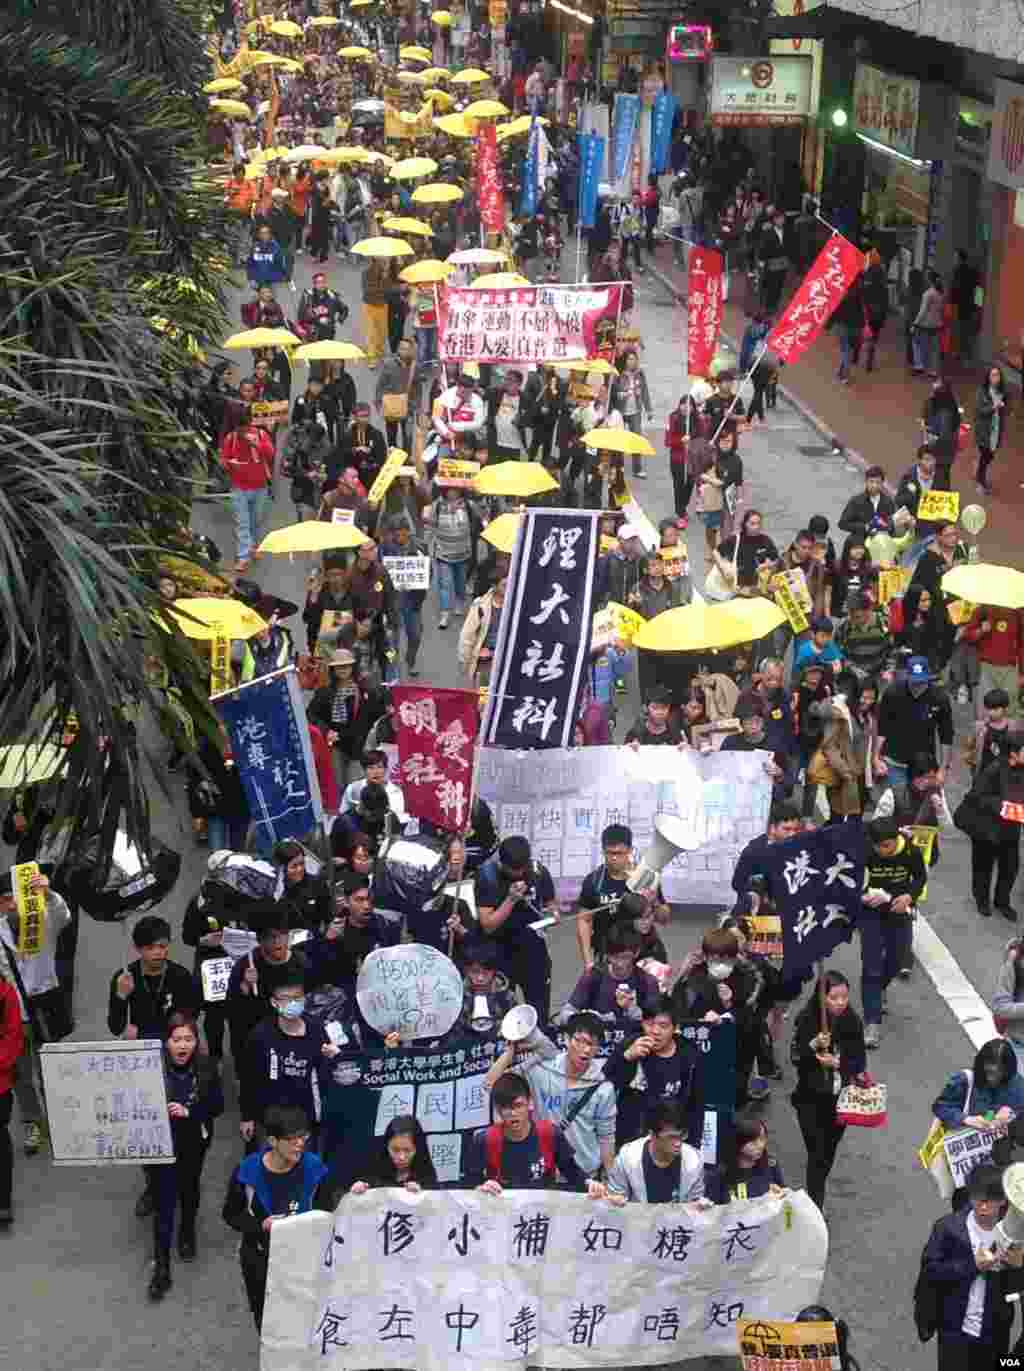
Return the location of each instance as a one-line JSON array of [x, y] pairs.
[[591, 146], [662, 116], [529, 193], [624, 118]]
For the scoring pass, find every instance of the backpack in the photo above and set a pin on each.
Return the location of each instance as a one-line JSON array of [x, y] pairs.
[[926, 1306], [495, 1141]]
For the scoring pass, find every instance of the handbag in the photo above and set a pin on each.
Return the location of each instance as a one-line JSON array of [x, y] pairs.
[[932, 1155], [863, 1105], [820, 771]]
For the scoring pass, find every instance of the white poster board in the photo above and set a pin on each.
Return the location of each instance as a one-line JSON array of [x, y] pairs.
[[408, 573], [214, 975], [461, 1281], [562, 799], [107, 1103], [411, 988]]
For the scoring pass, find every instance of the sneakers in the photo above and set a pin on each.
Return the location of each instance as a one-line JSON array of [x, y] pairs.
[[905, 973], [160, 1282], [872, 1034], [758, 1089], [963, 696], [443, 621], [33, 1139]]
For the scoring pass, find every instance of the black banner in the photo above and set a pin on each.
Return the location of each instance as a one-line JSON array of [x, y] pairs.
[[816, 881]]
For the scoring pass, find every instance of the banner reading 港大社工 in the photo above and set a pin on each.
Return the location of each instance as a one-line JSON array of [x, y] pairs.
[[527, 323]]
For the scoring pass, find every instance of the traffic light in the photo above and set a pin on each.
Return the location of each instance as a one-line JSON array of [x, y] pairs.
[[839, 118]]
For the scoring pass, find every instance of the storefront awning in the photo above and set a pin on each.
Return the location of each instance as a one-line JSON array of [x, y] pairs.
[[821, 22]]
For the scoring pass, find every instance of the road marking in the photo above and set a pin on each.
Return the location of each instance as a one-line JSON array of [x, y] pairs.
[[969, 1009]]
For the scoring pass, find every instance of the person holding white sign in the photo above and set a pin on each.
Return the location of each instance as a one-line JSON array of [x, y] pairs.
[[403, 1159]]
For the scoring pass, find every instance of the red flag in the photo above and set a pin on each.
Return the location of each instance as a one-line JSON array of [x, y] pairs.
[[435, 729], [835, 269], [703, 309], [492, 201]]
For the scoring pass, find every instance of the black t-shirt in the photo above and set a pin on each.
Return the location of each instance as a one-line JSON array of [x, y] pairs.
[[285, 1191], [640, 733], [601, 893], [662, 1181], [522, 1163], [753, 553], [492, 887]]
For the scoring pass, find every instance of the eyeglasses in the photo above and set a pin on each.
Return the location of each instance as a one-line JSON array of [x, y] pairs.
[[583, 1040]]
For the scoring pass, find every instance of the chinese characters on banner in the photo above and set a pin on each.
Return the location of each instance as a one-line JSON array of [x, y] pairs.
[[492, 199], [938, 504], [527, 324], [31, 906], [106, 1103], [703, 309], [662, 116], [220, 665], [834, 271], [455, 1280], [816, 881], [591, 150], [544, 640], [435, 730], [530, 192], [624, 121], [266, 722]]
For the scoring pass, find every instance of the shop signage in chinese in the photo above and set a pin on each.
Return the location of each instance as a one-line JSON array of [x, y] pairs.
[[543, 647], [1006, 146], [886, 108], [543, 323], [759, 92], [703, 309], [435, 729], [815, 881], [833, 272]]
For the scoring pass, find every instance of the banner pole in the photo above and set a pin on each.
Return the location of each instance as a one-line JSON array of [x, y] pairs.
[[828, 225], [735, 398]]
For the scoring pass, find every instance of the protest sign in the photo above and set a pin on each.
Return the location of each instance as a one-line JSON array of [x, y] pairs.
[[488, 175], [615, 624], [967, 1148], [435, 729], [591, 154], [220, 665], [106, 1103], [892, 581], [393, 463], [772, 1345], [411, 989], [923, 836], [456, 1280], [634, 515], [766, 935], [789, 590], [269, 409], [266, 723], [561, 800], [458, 474], [938, 504], [214, 975], [676, 561], [31, 907], [832, 273], [625, 113], [343, 516], [526, 323], [408, 573], [704, 305], [540, 662], [815, 881]]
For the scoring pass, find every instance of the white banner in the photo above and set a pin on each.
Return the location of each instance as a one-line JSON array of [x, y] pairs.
[[563, 798], [107, 1103], [457, 1279], [408, 573]]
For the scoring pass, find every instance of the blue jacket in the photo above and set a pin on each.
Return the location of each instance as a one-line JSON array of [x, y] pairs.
[[266, 264], [949, 1107], [249, 1200], [949, 1264]]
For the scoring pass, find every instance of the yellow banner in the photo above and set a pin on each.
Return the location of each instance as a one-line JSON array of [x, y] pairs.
[[784, 597], [396, 459], [923, 836], [774, 1345], [615, 623], [31, 910], [892, 581], [220, 666], [939, 504]]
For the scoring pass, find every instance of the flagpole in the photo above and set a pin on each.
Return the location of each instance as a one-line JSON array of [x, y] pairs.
[[736, 397], [828, 225]]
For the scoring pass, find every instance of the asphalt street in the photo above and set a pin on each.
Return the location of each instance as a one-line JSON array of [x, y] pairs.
[[75, 1262]]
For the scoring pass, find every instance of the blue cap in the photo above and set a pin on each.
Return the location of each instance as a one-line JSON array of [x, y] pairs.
[[918, 669]]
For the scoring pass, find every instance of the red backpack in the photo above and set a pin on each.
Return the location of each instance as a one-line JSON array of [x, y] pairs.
[[495, 1142]]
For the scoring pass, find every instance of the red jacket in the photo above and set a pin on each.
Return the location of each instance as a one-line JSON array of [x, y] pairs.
[[249, 465], [12, 1036], [1002, 642]]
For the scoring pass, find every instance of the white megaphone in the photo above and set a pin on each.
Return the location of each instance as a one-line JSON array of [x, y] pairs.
[[1009, 1232], [671, 836], [519, 1024], [481, 1020]]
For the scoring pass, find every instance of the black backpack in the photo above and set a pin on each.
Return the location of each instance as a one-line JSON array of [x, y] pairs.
[[926, 1305]]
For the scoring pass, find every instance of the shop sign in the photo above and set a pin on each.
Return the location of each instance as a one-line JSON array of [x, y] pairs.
[[886, 108], [749, 92], [1006, 146]]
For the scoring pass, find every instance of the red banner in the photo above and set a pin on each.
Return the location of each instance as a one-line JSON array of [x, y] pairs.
[[835, 269], [488, 175], [703, 309], [436, 729]]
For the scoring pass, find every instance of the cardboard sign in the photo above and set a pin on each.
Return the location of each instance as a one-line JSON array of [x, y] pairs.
[[220, 665], [408, 573], [892, 581], [923, 836], [677, 562], [214, 975], [107, 1103], [31, 909], [939, 504], [396, 459], [772, 1345], [456, 474]]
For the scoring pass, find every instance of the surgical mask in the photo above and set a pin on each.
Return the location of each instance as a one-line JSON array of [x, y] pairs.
[[720, 971], [294, 1009]]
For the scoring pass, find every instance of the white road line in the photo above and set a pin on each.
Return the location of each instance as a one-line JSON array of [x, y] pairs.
[[969, 1009]]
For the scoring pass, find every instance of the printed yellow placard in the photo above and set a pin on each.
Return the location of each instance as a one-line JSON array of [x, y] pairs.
[[923, 836], [960, 612], [31, 909], [766, 934], [677, 562], [774, 1345], [269, 409], [457, 473], [782, 593], [939, 504], [892, 581], [220, 665], [615, 624], [395, 461]]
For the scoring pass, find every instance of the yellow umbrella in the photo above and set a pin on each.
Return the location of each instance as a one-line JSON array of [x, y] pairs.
[[470, 76], [514, 478], [28, 763], [411, 167], [222, 85], [499, 280], [289, 64], [329, 350], [503, 531], [405, 225], [478, 257], [313, 535], [425, 273], [441, 18], [383, 247], [324, 21], [454, 125], [334, 156], [485, 109], [598, 365], [417, 54], [192, 579], [210, 617], [350, 153], [983, 583], [619, 440], [231, 107], [354, 51], [440, 97], [437, 74], [703, 627], [436, 193], [372, 155], [270, 59], [262, 338], [287, 28], [305, 152], [255, 171], [520, 125], [412, 78]]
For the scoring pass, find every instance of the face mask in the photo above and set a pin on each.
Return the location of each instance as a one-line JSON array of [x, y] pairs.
[[719, 971], [294, 1009]]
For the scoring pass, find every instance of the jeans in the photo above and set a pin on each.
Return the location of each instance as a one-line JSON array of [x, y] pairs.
[[816, 1116], [849, 335], [926, 349], [1004, 859], [226, 833], [169, 1185], [898, 775], [426, 344], [411, 618], [451, 583], [250, 509], [884, 942]]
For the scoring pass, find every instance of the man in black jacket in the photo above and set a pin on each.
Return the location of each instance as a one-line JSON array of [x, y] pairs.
[[994, 835], [874, 506], [896, 879], [915, 716], [321, 310]]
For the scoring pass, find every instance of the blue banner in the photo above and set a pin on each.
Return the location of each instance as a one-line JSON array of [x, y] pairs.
[[624, 119], [529, 193], [662, 116], [266, 722], [541, 659], [591, 146], [815, 881]]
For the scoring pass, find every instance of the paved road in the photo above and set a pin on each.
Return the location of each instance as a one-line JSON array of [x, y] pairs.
[[75, 1264]]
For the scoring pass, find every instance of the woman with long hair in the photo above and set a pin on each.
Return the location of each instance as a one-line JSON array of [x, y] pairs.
[[402, 1159], [749, 1171], [853, 574], [991, 411]]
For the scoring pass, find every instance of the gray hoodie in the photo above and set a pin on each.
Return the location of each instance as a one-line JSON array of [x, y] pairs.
[[626, 1175], [554, 1097], [1005, 1005]]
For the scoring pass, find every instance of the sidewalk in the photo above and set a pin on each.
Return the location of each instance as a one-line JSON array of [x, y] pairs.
[[876, 417]]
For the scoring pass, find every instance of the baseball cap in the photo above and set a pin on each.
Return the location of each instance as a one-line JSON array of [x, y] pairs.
[[918, 669]]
